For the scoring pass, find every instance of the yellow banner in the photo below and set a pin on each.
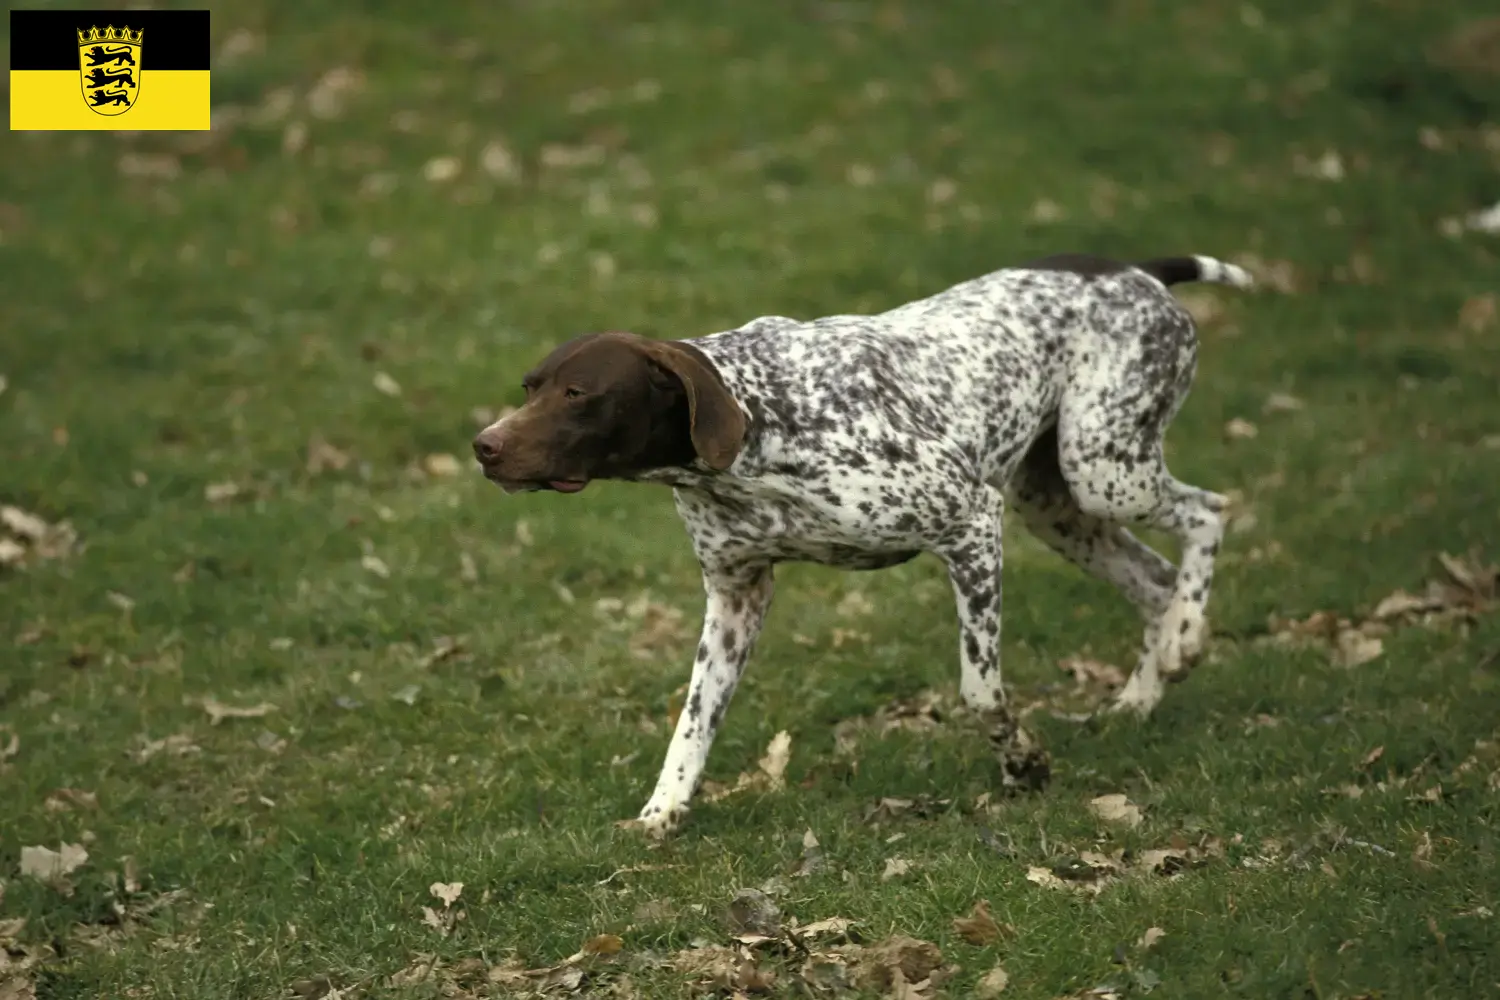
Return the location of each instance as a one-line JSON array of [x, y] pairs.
[[51, 99]]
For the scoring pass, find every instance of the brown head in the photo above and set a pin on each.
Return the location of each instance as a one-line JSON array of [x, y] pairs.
[[611, 406]]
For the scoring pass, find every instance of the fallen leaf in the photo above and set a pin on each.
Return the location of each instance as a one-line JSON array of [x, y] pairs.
[[1150, 938], [979, 927], [11, 745], [386, 385], [752, 911], [603, 944], [67, 799], [992, 984], [1371, 757], [218, 711], [45, 864], [448, 892], [812, 856], [1477, 314], [1421, 855], [16, 986], [895, 868], [374, 564], [407, 694], [11, 552], [1116, 808], [1240, 429], [773, 764], [1086, 671], [855, 604], [1280, 402], [897, 959], [1477, 580], [1353, 648], [23, 523], [827, 927], [441, 169], [322, 456], [221, 492], [1044, 877], [496, 160]]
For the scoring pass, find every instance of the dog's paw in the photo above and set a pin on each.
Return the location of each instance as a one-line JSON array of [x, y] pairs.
[[656, 824]]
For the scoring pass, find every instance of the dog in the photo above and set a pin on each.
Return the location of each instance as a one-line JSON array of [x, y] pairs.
[[863, 441]]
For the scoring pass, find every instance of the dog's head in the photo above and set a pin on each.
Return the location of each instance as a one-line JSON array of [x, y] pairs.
[[610, 406]]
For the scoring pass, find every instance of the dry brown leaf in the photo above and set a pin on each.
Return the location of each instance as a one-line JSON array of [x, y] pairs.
[[603, 944], [23, 524], [773, 764], [1479, 313], [65, 799], [448, 892], [1116, 808], [771, 775], [375, 565], [1150, 938], [386, 385], [1421, 855], [322, 456], [1353, 648], [221, 492], [1281, 402], [441, 169], [1086, 671], [46, 865], [218, 711], [753, 912], [856, 603], [10, 743], [1044, 877], [992, 984], [897, 959], [895, 868], [1477, 580], [178, 745], [979, 927], [17, 986], [827, 927], [1240, 429]]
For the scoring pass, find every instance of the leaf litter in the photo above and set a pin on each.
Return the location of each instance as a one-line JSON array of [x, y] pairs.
[[1467, 589], [25, 537], [770, 775]]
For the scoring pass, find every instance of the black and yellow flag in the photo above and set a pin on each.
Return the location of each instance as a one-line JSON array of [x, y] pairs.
[[108, 69]]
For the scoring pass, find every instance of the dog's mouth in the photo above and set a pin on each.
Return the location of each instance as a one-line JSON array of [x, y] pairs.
[[535, 485]]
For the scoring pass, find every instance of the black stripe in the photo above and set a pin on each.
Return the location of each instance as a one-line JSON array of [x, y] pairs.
[[1172, 270], [48, 39]]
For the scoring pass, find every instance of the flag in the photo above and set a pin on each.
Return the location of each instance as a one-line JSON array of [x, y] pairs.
[[109, 69]]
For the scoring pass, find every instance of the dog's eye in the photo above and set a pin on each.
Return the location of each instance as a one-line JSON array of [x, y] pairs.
[[572, 392]]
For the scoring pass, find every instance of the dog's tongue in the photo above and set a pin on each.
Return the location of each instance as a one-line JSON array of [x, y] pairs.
[[565, 486]]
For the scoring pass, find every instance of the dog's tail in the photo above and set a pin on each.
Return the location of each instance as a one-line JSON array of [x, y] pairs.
[[1175, 270]]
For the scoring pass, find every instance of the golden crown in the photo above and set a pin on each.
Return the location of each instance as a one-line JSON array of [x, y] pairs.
[[109, 34]]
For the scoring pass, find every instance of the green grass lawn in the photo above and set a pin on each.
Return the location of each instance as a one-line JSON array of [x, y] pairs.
[[233, 362]]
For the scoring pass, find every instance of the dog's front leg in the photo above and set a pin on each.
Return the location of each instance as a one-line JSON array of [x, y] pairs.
[[738, 598], [974, 556]]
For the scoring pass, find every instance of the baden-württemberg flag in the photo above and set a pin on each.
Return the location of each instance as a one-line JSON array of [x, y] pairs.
[[108, 69]]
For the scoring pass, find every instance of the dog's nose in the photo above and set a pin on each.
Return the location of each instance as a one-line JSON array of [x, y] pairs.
[[486, 448]]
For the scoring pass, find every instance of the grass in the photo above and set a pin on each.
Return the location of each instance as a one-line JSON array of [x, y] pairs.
[[185, 311]]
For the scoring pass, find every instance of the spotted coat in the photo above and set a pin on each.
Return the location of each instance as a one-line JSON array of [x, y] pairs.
[[872, 439]]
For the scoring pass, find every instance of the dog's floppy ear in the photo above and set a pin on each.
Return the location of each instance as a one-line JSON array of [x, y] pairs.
[[717, 425]]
